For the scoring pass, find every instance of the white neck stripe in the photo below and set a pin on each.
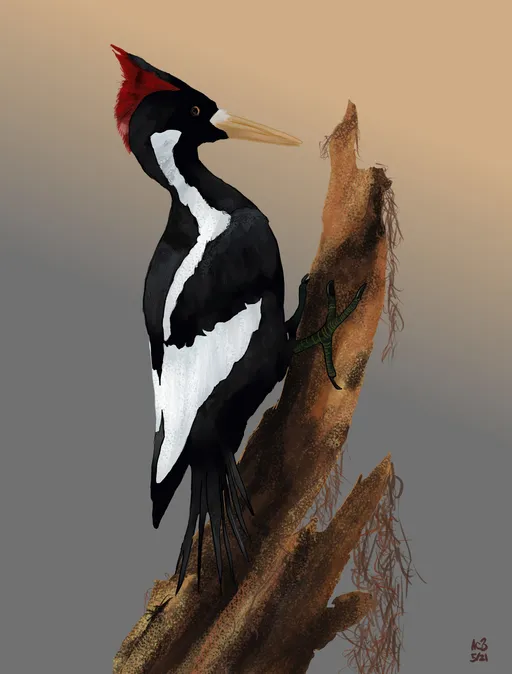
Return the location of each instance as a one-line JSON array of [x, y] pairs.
[[211, 222]]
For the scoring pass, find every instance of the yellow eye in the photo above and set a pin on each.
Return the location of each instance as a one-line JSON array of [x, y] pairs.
[[195, 111]]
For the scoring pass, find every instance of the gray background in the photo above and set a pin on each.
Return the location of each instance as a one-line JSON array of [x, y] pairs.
[[79, 222]]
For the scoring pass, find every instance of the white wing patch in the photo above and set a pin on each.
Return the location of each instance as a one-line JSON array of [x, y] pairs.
[[210, 221], [189, 375]]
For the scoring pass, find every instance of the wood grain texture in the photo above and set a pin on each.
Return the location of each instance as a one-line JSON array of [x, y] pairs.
[[280, 615]]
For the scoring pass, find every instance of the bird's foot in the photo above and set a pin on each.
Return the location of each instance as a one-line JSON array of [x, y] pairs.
[[325, 334], [293, 323]]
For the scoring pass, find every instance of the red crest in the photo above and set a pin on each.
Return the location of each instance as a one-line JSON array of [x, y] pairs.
[[136, 85]]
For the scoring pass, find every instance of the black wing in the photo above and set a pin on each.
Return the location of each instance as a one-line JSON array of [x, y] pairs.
[[237, 268]]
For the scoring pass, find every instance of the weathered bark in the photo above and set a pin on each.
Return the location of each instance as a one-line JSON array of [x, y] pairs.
[[280, 615]]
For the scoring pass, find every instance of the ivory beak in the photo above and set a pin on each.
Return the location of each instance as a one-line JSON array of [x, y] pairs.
[[245, 129]]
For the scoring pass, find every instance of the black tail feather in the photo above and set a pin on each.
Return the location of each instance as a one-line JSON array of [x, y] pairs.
[[186, 546], [214, 492], [234, 526], [233, 494], [214, 499], [179, 560], [226, 539], [235, 475], [202, 518]]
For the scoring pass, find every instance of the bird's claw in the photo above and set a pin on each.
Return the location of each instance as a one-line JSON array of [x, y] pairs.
[[333, 382], [360, 292], [324, 336]]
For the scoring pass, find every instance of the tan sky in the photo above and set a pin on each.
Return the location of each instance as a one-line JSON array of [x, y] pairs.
[[430, 87]]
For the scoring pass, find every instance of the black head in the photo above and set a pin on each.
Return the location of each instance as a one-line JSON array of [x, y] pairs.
[[152, 101]]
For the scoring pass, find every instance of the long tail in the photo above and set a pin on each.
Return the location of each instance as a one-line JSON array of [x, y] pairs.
[[218, 492]]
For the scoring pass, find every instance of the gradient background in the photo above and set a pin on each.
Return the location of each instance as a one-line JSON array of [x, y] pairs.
[[79, 220]]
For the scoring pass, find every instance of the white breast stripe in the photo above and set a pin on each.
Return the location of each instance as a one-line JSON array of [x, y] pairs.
[[210, 221], [189, 375]]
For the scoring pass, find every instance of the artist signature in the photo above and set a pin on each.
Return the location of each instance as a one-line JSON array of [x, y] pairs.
[[478, 650]]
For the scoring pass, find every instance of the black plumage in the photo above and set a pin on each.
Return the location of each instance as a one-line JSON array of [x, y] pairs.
[[238, 267], [217, 264]]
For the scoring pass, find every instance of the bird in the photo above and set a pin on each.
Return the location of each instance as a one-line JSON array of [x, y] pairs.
[[213, 304]]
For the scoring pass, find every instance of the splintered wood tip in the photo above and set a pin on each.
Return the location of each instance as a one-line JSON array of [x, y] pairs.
[[343, 143], [350, 112]]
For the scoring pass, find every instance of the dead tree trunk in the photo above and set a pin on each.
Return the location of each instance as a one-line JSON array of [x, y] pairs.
[[280, 615]]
